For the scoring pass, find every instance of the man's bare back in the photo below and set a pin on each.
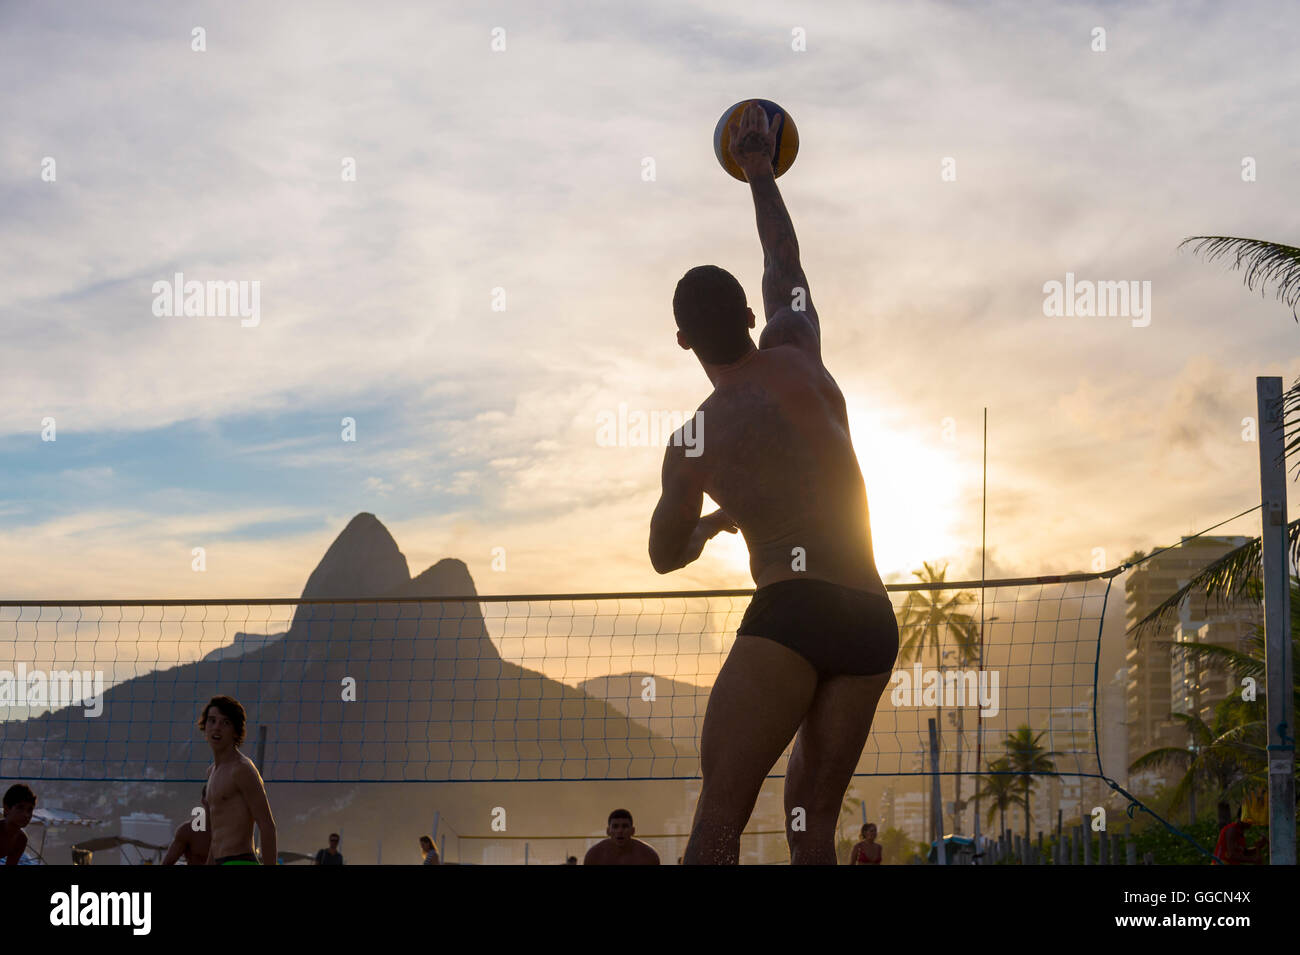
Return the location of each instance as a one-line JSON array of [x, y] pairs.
[[779, 461], [815, 647]]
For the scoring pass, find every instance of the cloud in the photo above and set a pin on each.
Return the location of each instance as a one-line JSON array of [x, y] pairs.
[[519, 171]]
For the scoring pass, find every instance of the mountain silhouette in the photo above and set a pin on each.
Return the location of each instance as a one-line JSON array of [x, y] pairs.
[[676, 711], [378, 692]]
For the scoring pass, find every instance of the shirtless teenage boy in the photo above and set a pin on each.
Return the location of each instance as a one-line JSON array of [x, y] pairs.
[[236, 795]]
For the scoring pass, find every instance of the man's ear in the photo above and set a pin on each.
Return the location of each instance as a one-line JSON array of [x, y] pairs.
[[681, 340], [751, 317]]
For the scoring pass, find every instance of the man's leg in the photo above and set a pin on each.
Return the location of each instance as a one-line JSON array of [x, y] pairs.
[[760, 697], [825, 755]]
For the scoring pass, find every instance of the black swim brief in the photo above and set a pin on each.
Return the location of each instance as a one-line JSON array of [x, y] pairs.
[[839, 630]]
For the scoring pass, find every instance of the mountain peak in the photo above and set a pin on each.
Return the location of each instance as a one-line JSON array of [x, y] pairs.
[[363, 561]]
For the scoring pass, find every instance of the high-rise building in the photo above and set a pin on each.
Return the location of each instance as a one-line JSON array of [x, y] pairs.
[[1155, 687], [1197, 686], [1112, 727]]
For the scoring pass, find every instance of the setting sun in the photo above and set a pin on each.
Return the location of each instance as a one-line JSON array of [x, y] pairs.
[[914, 491]]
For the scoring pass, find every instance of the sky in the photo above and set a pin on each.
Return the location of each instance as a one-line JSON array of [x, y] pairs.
[[530, 183]]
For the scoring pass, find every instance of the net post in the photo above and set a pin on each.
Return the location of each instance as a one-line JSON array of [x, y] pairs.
[[1279, 680], [261, 768], [936, 806]]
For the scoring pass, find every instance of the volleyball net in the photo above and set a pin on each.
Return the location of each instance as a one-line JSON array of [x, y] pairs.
[[520, 688]]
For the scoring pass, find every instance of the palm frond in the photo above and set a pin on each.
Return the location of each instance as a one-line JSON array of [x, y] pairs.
[[1195, 727], [1242, 664], [1228, 580], [1160, 758], [1264, 263]]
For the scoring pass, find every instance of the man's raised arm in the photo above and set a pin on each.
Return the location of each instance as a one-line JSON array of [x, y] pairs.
[[784, 283]]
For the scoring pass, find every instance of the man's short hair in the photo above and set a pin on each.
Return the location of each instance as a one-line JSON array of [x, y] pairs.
[[712, 313], [333, 836], [620, 814], [231, 709], [19, 793]]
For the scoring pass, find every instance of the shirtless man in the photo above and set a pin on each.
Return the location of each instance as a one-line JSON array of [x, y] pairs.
[[620, 848], [868, 851], [236, 795], [189, 842], [20, 804], [815, 648]]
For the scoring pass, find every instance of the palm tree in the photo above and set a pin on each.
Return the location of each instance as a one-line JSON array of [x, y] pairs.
[[1027, 757], [1249, 661], [1264, 264], [1000, 790], [1219, 755], [1239, 737], [925, 617]]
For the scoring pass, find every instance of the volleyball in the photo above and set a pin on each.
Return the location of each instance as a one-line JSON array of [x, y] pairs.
[[787, 138]]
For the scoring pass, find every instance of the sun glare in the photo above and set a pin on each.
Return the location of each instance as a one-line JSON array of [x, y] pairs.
[[915, 489], [915, 493]]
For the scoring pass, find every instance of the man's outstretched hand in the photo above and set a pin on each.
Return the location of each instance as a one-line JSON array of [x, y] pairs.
[[753, 140]]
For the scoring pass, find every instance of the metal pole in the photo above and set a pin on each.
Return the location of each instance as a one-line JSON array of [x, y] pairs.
[[979, 720], [261, 768], [1279, 680], [936, 807]]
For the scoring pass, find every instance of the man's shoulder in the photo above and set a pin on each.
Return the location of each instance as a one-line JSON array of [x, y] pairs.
[[246, 768], [795, 330]]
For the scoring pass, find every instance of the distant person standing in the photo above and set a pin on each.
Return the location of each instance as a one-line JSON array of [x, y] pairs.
[[430, 851], [1231, 847], [19, 803], [330, 856], [620, 848], [868, 851]]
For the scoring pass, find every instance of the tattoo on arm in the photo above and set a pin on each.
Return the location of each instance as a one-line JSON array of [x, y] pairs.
[[784, 283]]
